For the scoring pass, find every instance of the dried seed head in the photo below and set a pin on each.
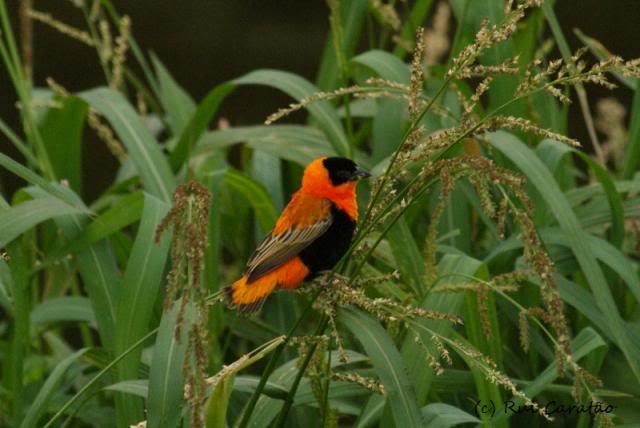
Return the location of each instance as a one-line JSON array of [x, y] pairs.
[[417, 75], [189, 219], [610, 120], [386, 14], [67, 30], [120, 52], [102, 130], [366, 382], [436, 39]]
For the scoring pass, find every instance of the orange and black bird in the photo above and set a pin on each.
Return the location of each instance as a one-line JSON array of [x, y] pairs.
[[312, 234]]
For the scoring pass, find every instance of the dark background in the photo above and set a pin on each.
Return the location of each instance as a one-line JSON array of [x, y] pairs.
[[204, 43]]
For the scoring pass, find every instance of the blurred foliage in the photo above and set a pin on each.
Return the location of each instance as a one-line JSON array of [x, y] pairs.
[[495, 261]]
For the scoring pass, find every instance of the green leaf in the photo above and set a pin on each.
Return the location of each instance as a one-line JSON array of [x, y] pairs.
[[138, 387], [632, 151], [371, 412], [490, 345], [22, 217], [585, 342], [353, 13], [69, 308], [6, 284], [256, 195], [385, 65], [461, 381], [417, 16], [97, 268], [144, 150], [166, 385], [297, 87], [470, 18], [407, 255], [267, 169], [267, 408], [442, 415], [450, 303], [300, 144], [175, 100], [390, 117], [249, 383], [218, 401], [140, 289], [197, 125], [125, 211], [543, 181], [61, 132], [49, 389], [606, 253], [388, 364], [613, 197], [33, 178]]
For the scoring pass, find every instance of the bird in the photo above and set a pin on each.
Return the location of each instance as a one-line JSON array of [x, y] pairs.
[[311, 235]]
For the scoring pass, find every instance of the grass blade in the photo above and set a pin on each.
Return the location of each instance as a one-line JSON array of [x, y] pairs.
[[388, 365], [297, 87], [415, 18], [218, 401], [175, 100], [300, 144], [385, 65], [352, 19], [451, 303], [61, 132], [543, 181], [632, 152], [256, 195], [442, 415], [142, 147], [391, 115], [166, 386], [100, 275], [124, 212], [33, 178], [140, 288], [139, 388], [50, 387], [407, 255], [585, 342], [68, 308], [22, 217], [197, 125]]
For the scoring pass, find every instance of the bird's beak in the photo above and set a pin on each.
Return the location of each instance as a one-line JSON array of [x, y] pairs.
[[360, 173]]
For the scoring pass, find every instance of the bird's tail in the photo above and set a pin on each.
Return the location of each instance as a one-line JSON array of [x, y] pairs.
[[249, 298]]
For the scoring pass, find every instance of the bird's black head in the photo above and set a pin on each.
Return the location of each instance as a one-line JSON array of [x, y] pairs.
[[342, 170]]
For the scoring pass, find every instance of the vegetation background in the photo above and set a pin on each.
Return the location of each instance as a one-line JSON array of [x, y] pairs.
[[204, 42], [432, 312]]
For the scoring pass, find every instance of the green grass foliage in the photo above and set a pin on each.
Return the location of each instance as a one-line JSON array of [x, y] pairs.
[[495, 263]]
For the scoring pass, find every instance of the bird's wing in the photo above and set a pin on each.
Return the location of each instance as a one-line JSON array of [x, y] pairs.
[[278, 248]]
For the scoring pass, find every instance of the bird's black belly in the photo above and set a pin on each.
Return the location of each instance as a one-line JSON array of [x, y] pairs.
[[329, 248]]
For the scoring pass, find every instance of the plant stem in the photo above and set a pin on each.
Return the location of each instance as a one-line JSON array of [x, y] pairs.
[[99, 375], [98, 42], [325, 393], [26, 38], [271, 365], [11, 59], [294, 387]]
